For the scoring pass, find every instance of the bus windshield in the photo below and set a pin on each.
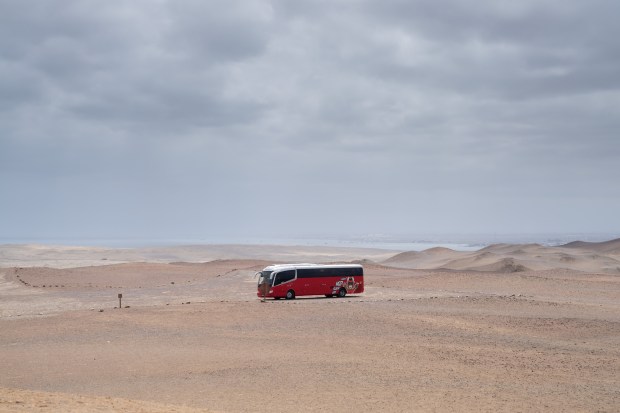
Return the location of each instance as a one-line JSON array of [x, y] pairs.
[[265, 277]]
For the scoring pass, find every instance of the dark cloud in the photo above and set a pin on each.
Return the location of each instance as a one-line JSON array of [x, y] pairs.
[[186, 117], [220, 31]]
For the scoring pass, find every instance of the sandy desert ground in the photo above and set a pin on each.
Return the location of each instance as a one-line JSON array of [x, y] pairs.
[[507, 328]]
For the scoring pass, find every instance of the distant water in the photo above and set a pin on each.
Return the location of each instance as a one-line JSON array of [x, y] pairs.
[[458, 242], [164, 242]]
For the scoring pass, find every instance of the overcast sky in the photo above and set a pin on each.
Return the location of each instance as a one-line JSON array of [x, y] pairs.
[[195, 118]]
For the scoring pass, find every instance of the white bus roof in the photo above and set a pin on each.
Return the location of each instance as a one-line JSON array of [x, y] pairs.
[[283, 267]]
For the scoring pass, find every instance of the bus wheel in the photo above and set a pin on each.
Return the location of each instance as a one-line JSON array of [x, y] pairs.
[[342, 292], [290, 295]]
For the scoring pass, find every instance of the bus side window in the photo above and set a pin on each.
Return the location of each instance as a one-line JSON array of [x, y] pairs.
[[284, 276]]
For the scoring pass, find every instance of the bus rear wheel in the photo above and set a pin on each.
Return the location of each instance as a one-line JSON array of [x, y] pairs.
[[342, 292], [290, 295]]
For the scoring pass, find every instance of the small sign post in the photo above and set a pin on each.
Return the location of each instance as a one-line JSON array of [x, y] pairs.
[[120, 297]]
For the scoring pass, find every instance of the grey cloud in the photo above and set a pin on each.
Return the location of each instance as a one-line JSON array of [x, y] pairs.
[[18, 86], [166, 109], [219, 31], [106, 66], [427, 114], [516, 51]]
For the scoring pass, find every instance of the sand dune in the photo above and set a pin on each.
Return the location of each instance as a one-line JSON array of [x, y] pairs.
[[606, 247], [427, 259], [493, 264], [588, 257]]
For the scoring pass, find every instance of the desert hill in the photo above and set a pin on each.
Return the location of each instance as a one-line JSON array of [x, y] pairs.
[[578, 256], [431, 258], [607, 247]]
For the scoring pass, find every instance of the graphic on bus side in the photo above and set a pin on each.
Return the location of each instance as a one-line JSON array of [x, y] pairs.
[[348, 283]]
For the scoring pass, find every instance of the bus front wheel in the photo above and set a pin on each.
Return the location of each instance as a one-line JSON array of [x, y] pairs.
[[342, 292], [290, 295]]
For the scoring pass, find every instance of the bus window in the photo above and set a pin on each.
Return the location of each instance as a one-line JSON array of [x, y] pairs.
[[284, 276]]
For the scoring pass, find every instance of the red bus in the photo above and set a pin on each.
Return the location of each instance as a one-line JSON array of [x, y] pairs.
[[293, 280]]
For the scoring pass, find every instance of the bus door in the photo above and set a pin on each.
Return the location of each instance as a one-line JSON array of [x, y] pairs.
[[318, 285]]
